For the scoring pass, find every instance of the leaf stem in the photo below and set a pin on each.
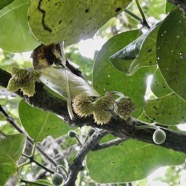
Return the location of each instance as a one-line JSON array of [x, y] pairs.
[[31, 158], [142, 14]]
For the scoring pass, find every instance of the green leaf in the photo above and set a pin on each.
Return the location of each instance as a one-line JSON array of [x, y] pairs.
[[10, 151], [13, 145], [132, 160], [108, 78], [4, 3], [14, 30], [8, 168], [39, 124], [171, 50], [168, 110], [158, 85], [70, 21], [139, 53], [65, 83]]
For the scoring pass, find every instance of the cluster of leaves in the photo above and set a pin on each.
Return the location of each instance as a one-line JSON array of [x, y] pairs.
[[123, 64]]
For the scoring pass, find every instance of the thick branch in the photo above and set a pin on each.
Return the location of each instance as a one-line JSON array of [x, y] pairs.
[[118, 127]]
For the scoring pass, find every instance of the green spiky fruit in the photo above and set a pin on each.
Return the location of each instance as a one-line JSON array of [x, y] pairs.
[[159, 136], [23, 79], [83, 105], [124, 107]]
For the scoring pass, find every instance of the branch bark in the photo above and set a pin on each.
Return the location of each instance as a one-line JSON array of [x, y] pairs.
[[117, 126]]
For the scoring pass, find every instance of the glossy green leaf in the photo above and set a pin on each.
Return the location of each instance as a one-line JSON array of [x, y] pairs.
[[70, 21], [4, 3], [11, 149], [65, 83], [139, 53], [158, 85], [171, 50], [168, 110], [108, 78], [39, 124], [14, 30], [132, 160]]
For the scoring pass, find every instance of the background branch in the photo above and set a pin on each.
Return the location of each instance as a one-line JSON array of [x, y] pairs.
[[117, 126]]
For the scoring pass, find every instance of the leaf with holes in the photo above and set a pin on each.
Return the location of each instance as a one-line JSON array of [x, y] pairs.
[[70, 21], [171, 52], [158, 85], [168, 110]]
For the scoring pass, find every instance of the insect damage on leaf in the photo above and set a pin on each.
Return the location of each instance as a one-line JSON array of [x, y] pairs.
[[23, 79]]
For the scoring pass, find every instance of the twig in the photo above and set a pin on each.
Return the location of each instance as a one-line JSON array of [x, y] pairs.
[[142, 15], [109, 144], [76, 165], [37, 163]]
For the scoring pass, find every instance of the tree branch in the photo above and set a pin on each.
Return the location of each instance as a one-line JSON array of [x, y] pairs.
[[108, 144], [77, 165], [117, 126]]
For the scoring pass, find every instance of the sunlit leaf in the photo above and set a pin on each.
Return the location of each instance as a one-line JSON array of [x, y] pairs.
[[70, 21], [168, 110], [171, 50], [14, 30], [39, 124], [158, 85], [130, 161]]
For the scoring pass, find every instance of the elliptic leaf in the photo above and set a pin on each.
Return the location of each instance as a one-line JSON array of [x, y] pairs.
[[39, 124], [14, 30], [168, 110], [70, 21], [130, 161], [171, 50]]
